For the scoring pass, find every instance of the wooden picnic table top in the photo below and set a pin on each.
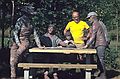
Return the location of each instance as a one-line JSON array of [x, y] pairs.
[[63, 50]]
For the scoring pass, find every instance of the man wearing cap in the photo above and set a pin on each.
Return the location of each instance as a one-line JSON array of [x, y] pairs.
[[98, 36], [21, 36]]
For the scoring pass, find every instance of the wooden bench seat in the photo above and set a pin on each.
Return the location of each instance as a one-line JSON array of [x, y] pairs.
[[87, 67], [39, 65]]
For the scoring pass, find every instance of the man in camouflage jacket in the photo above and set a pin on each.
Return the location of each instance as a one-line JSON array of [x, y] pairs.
[[21, 41]]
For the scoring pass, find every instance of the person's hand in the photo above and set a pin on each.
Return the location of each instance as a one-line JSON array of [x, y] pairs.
[[39, 46], [22, 46], [86, 46], [19, 44], [59, 46], [84, 38], [108, 43]]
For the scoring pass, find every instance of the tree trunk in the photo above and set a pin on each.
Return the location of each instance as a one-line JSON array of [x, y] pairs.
[[2, 22], [2, 41], [117, 38]]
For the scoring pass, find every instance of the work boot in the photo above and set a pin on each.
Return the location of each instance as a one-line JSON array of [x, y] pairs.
[[55, 76], [13, 73], [102, 76], [96, 74], [46, 75]]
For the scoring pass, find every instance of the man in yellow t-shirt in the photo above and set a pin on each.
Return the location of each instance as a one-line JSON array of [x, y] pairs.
[[77, 28]]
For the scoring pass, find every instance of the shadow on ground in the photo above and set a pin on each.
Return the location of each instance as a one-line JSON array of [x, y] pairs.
[[113, 74]]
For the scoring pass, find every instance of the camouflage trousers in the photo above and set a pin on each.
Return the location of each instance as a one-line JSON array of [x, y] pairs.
[[15, 52]]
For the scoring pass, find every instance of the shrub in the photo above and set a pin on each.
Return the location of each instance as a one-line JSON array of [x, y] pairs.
[[112, 58]]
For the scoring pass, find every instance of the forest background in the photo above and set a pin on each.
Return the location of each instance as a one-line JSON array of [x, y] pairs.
[[59, 13]]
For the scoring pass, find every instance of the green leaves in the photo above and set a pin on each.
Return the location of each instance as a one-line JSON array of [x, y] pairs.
[[58, 12], [111, 59]]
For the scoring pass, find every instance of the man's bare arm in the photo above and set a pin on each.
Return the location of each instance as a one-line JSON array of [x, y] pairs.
[[65, 30]]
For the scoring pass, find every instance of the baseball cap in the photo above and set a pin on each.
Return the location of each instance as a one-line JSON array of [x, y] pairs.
[[92, 14]]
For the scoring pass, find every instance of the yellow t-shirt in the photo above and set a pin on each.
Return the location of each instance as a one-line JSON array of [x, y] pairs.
[[77, 30]]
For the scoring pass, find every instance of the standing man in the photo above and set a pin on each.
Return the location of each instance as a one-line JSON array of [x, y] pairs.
[[77, 28], [21, 33], [99, 37]]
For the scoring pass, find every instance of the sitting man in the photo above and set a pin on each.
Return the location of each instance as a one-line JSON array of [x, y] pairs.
[[49, 39], [69, 42], [50, 34]]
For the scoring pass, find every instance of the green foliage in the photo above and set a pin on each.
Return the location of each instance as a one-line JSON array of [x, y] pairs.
[[58, 12], [112, 35], [112, 58], [6, 40]]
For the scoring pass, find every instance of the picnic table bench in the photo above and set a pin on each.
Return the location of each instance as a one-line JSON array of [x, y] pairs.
[[87, 66]]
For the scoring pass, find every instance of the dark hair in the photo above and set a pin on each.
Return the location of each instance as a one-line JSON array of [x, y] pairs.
[[51, 25], [67, 33], [75, 11]]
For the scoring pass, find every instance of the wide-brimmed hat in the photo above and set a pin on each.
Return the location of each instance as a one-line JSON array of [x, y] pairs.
[[28, 8]]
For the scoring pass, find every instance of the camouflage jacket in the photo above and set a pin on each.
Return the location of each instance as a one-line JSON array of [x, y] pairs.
[[23, 29]]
